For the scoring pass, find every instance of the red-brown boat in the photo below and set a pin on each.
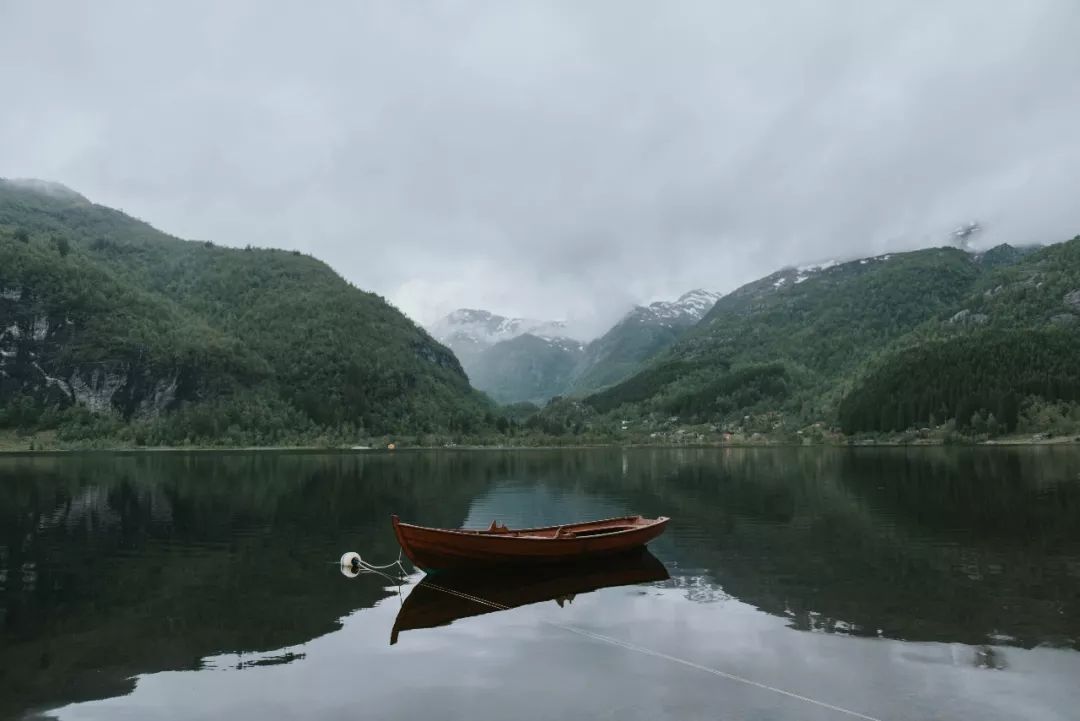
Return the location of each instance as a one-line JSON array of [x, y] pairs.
[[441, 549]]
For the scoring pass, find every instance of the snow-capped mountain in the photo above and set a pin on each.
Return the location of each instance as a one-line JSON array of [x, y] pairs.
[[510, 358], [470, 331], [793, 275], [516, 359], [641, 334], [687, 310]]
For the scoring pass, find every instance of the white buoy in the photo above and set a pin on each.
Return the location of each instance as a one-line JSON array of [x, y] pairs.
[[350, 564]]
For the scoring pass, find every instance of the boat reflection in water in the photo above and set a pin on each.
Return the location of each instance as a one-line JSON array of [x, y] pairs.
[[443, 598]]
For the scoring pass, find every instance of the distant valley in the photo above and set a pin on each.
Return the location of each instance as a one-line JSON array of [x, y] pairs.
[[522, 360]]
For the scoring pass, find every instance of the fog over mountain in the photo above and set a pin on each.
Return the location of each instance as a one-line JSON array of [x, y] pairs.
[[555, 159]]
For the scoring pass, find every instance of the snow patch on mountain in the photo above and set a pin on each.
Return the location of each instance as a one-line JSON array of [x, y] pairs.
[[805, 271], [814, 267], [482, 329], [688, 309], [562, 343]]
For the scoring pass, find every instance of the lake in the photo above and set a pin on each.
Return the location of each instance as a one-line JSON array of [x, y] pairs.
[[931, 583]]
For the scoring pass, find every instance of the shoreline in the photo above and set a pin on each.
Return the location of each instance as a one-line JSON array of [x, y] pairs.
[[1010, 442]]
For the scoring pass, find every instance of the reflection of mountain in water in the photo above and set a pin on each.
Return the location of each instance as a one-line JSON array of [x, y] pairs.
[[967, 545], [112, 566], [700, 589], [974, 545], [121, 565]]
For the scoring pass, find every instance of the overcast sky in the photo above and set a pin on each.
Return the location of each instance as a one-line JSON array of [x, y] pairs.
[[554, 159]]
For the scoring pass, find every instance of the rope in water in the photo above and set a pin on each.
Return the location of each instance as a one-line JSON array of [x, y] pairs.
[[361, 566], [667, 657]]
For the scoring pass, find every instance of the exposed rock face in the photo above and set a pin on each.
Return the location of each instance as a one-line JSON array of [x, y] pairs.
[[32, 363], [50, 382], [1072, 300], [95, 388]]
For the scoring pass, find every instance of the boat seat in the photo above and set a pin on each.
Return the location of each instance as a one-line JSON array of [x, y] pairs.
[[603, 529]]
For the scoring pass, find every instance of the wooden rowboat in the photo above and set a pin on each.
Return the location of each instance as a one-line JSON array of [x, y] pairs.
[[446, 597], [441, 549]]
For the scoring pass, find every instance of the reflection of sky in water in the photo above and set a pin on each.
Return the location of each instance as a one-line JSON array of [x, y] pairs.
[[522, 504], [758, 562], [511, 665]]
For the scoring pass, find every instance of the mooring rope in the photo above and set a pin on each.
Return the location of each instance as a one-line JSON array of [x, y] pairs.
[[667, 657], [365, 567], [353, 565]]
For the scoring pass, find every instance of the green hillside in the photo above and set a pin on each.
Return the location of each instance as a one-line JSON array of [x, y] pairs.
[[878, 344], [110, 327], [817, 329], [621, 351], [112, 332], [1015, 336], [978, 379]]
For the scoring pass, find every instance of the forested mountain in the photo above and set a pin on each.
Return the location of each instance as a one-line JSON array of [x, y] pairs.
[[639, 336], [878, 344], [795, 331], [109, 327], [114, 332], [1015, 336]]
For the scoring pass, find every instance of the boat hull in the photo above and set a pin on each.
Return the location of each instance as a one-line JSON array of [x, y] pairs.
[[436, 549]]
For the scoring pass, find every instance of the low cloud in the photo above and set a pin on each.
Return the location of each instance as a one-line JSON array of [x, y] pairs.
[[555, 159]]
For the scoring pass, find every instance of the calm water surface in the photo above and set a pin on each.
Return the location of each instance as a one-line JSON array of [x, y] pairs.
[[899, 584]]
